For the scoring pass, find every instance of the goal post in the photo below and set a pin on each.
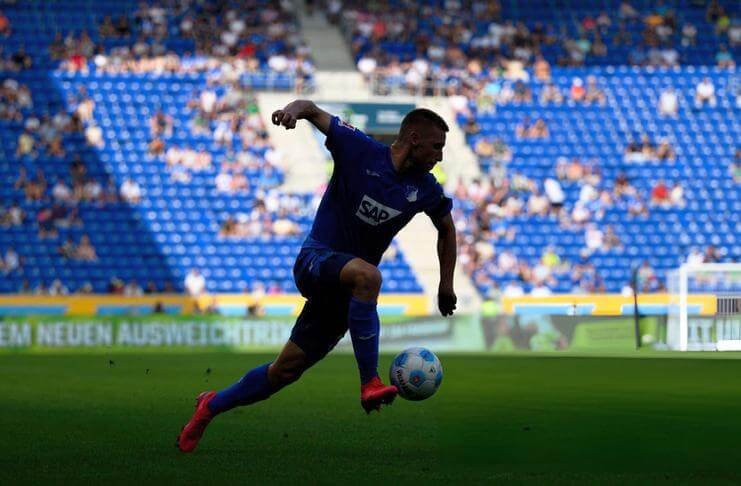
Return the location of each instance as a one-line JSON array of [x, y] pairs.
[[687, 329]]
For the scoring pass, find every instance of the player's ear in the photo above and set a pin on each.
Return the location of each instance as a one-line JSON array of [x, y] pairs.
[[414, 137]]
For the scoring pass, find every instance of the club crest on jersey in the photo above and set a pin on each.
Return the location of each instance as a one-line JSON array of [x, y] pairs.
[[375, 213], [411, 193], [346, 125]]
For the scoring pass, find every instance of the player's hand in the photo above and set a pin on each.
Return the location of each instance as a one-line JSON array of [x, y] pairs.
[[446, 301], [285, 118]]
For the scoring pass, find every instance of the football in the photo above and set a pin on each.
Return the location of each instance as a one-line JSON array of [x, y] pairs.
[[417, 373]]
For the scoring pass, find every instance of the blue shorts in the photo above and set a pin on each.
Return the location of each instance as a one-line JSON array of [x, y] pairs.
[[323, 320]]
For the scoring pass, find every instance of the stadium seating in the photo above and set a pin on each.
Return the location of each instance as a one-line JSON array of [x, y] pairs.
[[705, 141], [176, 225], [563, 19]]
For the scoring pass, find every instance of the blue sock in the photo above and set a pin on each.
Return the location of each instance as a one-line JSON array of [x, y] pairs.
[[253, 387], [364, 330]]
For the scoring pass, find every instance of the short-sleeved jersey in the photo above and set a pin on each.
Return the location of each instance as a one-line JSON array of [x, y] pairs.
[[367, 202]]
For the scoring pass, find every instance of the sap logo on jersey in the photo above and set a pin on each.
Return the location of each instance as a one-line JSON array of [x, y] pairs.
[[375, 213]]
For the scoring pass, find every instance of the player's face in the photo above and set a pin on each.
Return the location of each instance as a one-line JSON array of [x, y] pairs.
[[427, 148]]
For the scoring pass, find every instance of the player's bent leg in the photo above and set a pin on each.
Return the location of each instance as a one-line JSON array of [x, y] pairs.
[[258, 384], [364, 281], [288, 366]]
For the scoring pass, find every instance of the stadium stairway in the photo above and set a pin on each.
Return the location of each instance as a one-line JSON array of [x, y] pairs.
[[328, 48], [301, 153]]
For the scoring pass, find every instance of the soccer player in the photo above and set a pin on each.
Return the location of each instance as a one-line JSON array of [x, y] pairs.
[[374, 192]]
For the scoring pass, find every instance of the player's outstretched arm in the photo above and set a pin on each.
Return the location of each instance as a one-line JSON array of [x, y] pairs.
[[446, 253], [302, 110]]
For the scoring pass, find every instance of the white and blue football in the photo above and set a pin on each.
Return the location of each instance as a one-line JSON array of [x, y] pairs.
[[417, 373]]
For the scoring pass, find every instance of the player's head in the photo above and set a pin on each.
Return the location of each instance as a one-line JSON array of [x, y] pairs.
[[422, 133]]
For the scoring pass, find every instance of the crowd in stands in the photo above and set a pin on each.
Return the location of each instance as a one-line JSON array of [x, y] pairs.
[[499, 200], [224, 39], [272, 214], [446, 47]]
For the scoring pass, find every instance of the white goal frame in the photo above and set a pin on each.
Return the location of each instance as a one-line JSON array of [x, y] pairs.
[[678, 316]]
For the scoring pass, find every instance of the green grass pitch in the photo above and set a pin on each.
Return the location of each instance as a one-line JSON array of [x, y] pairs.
[[522, 420]]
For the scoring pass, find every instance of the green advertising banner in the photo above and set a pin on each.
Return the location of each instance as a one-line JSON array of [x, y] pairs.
[[538, 332], [379, 118], [164, 332]]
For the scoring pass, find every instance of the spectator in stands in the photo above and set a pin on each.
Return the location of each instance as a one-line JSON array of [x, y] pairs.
[[648, 150], [92, 191], [635, 205], [26, 145], [228, 228], [593, 94], [41, 289], [689, 35], [156, 147], [471, 126], [538, 204], [555, 194], [734, 34], [85, 289], [660, 194], [45, 222], [735, 168], [513, 289], [57, 288], [94, 136], [5, 27], [67, 249], [537, 130], [695, 256], [13, 216], [283, 226], [550, 258], [224, 180], [85, 251], [627, 12], [665, 152], [131, 191], [724, 58], [33, 189], [611, 240], [712, 254], [25, 288], [522, 93], [132, 289], [11, 262], [195, 283], [551, 94], [580, 215], [668, 102], [646, 277], [676, 195], [151, 288], [705, 93], [542, 69], [115, 286], [61, 192], [160, 124], [577, 91]]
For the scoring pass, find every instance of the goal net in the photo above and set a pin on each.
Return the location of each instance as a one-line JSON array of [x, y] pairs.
[[690, 329]]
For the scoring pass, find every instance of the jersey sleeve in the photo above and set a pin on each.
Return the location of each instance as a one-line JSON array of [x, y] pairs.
[[437, 205], [346, 143]]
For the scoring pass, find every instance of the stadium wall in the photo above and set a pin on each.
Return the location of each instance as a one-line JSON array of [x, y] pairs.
[[389, 305], [605, 305], [222, 304]]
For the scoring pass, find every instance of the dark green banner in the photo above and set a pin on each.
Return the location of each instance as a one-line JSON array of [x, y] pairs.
[[167, 332]]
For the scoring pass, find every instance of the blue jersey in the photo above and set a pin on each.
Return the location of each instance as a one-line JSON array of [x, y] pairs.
[[367, 202]]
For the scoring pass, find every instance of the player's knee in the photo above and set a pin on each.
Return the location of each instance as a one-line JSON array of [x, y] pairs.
[[368, 281]]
